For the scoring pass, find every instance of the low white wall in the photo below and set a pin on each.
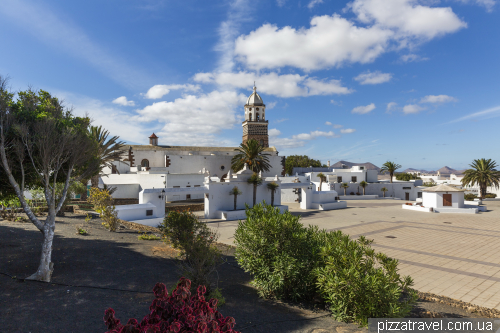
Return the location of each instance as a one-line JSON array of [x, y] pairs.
[[231, 215], [457, 210], [359, 197], [417, 208], [135, 212], [324, 196], [329, 205]]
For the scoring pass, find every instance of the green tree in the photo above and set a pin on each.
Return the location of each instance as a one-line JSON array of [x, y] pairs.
[[272, 187], [38, 133], [406, 176], [345, 186], [108, 150], [255, 180], [384, 189], [251, 153], [235, 191], [483, 174], [390, 167], [300, 161], [363, 184], [322, 178]]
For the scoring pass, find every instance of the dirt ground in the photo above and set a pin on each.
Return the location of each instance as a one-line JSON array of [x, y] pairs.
[[117, 270]]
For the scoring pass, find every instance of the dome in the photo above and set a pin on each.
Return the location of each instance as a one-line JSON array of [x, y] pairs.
[[255, 98]]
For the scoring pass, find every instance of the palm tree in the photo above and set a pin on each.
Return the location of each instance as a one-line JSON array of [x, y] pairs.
[[363, 184], [272, 186], [384, 189], [255, 180], [251, 153], [108, 150], [322, 178], [235, 191], [483, 174], [345, 186], [390, 167]]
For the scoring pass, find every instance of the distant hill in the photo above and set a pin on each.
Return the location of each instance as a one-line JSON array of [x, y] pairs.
[[418, 170], [445, 171], [367, 165]]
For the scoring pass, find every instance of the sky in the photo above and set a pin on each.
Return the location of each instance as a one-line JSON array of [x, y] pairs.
[[415, 82]]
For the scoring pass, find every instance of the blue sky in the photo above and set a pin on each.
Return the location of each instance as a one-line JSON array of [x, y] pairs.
[[411, 81]]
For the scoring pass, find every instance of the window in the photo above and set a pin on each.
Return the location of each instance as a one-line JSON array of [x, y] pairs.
[[197, 186], [188, 196], [419, 195], [406, 188], [257, 117], [149, 212], [250, 117], [145, 163], [257, 109], [176, 186], [222, 167], [114, 170], [339, 179], [361, 168], [354, 179]]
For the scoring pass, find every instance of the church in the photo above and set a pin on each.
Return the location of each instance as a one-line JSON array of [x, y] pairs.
[[157, 165]]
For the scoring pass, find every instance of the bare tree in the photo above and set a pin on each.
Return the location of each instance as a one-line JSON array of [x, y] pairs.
[[53, 145]]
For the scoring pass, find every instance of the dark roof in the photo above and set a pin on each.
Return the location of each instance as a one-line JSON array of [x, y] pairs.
[[153, 136]]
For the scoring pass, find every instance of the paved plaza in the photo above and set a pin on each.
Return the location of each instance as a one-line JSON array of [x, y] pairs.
[[453, 255]]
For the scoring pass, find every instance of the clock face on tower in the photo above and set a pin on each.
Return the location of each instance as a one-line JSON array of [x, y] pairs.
[[255, 124]]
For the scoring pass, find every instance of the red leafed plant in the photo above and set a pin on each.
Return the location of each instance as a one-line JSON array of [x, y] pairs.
[[178, 313]]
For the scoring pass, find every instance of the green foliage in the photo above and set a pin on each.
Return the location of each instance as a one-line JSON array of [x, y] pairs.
[[103, 203], [358, 283], [429, 184], [74, 188], [363, 184], [10, 207], [272, 186], [470, 197], [390, 167], [483, 174], [291, 261], [145, 236], [81, 231], [278, 251], [251, 153], [490, 195], [300, 161], [197, 243], [217, 294], [406, 176], [255, 180], [235, 191], [345, 186]]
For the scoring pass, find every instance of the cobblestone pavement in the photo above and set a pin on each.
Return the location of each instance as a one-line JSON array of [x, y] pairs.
[[453, 255]]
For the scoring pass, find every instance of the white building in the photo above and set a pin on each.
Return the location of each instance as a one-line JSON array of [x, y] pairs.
[[164, 166]]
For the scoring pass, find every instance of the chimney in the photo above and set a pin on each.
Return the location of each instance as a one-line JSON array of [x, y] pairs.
[[153, 140]]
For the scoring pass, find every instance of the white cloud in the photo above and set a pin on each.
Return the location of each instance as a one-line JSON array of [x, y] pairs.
[[363, 109], [337, 126], [408, 18], [391, 106], [271, 105], [238, 12], [160, 90], [485, 114], [328, 123], [314, 135], [194, 120], [333, 40], [376, 77], [313, 3], [335, 102], [412, 58], [123, 101], [274, 132], [63, 36], [287, 85], [412, 108], [347, 130], [280, 3], [299, 140], [488, 4], [281, 120], [437, 99]]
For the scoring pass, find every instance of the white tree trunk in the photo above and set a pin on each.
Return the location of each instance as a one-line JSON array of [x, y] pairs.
[[46, 267]]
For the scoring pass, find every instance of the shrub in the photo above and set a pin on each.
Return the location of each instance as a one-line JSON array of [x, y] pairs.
[[81, 231], [103, 203], [10, 208], [146, 236], [406, 176], [278, 251], [490, 195], [291, 261], [179, 312], [197, 243], [358, 283], [470, 197]]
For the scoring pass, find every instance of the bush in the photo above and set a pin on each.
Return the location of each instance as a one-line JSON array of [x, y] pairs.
[[103, 203], [278, 251], [490, 195], [291, 261], [470, 197], [358, 283], [197, 243], [406, 176], [145, 236], [175, 313]]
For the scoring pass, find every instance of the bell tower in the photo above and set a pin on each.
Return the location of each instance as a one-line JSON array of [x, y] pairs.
[[255, 124]]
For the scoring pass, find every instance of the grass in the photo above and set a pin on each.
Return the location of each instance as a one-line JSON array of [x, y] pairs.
[[146, 236]]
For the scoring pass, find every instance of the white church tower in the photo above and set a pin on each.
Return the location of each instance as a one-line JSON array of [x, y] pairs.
[[255, 124]]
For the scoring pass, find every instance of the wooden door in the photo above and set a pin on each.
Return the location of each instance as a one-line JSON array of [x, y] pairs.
[[407, 196], [446, 199]]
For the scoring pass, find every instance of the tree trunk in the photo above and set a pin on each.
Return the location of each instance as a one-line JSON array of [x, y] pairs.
[[320, 183], [95, 181], [46, 266], [254, 194], [384, 193], [272, 198], [391, 174], [235, 196], [363, 191], [345, 191], [83, 196]]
